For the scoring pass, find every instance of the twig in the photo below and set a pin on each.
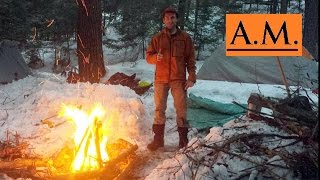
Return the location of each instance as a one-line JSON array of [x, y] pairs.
[[179, 165], [315, 130], [86, 133], [313, 103], [286, 145], [172, 129], [51, 117], [4, 100], [266, 163], [86, 148], [18, 96]]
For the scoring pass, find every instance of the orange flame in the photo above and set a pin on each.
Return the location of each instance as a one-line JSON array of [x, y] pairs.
[[89, 139]]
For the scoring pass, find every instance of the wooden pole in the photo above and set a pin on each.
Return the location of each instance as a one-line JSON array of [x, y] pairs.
[[283, 76], [84, 140], [97, 141]]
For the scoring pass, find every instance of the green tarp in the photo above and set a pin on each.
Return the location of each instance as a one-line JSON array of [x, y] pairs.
[[205, 113]]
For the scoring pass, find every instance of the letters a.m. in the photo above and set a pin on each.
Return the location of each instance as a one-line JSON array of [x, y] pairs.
[[267, 28]]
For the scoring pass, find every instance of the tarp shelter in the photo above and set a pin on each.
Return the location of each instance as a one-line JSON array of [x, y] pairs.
[[258, 70], [12, 64], [204, 113]]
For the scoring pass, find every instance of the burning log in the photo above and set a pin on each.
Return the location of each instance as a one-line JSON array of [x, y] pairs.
[[122, 156], [26, 168], [10, 151], [89, 138], [110, 169], [23, 163], [94, 155]]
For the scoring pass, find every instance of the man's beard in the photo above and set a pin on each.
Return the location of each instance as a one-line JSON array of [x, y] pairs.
[[171, 27]]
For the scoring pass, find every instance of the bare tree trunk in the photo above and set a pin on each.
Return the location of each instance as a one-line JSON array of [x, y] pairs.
[[274, 6], [143, 48], [310, 28], [224, 28], [284, 6], [196, 21], [104, 17], [89, 41], [195, 35], [181, 11], [187, 9]]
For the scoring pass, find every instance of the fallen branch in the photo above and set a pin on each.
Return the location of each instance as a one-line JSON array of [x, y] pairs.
[[22, 163], [250, 136], [10, 151]]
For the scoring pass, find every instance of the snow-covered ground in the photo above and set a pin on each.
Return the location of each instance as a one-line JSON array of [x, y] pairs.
[[29, 105], [29, 111]]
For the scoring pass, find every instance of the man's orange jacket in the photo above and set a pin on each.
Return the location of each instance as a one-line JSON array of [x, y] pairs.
[[178, 56]]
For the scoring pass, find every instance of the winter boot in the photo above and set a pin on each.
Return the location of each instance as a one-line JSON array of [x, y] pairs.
[[183, 136], [157, 142]]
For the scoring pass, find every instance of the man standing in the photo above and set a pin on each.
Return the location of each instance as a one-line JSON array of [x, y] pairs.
[[172, 51]]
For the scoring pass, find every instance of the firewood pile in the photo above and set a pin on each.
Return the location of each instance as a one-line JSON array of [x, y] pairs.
[[15, 163], [281, 145], [294, 115]]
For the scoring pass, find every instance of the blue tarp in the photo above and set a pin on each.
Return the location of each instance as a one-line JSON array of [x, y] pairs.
[[205, 113]]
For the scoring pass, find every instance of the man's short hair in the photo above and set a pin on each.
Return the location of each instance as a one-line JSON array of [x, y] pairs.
[[169, 10]]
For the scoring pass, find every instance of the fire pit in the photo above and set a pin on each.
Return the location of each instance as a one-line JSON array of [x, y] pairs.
[[94, 156], [121, 154], [90, 155]]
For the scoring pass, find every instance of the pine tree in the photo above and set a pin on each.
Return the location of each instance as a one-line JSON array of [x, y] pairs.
[[64, 17], [181, 11], [138, 19], [13, 20]]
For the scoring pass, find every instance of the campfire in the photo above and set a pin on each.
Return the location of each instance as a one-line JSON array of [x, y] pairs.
[[91, 155], [89, 138]]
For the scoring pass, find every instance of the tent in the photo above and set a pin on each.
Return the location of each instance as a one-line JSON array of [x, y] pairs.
[[259, 70], [12, 64]]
